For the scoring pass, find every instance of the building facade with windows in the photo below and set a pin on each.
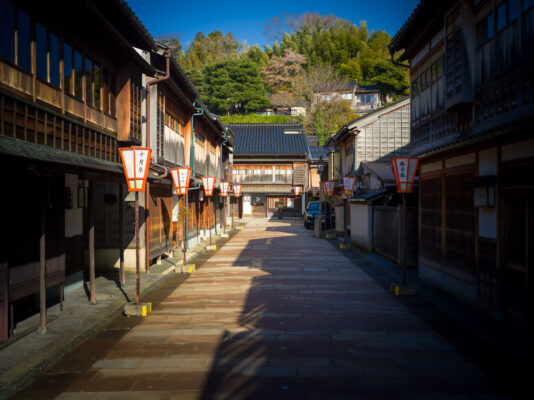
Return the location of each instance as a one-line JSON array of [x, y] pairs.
[[472, 101], [68, 101], [269, 161]]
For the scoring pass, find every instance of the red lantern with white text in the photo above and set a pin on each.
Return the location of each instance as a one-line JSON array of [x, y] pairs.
[[180, 177], [135, 161], [208, 182], [237, 189], [328, 188], [348, 185], [404, 169], [224, 186]]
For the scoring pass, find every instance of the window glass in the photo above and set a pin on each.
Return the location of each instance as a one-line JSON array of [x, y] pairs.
[[346, 96], [88, 72], [235, 171], [289, 172], [54, 58], [268, 171], [501, 17], [78, 74], [257, 172], [512, 10], [7, 31], [527, 4], [24, 40], [67, 68], [40, 51]]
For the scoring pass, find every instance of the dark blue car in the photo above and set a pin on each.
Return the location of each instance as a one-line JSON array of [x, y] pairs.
[[312, 210]]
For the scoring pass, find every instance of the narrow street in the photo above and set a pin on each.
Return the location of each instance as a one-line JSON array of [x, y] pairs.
[[274, 313]]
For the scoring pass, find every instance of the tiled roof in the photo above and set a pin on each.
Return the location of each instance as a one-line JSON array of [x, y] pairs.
[[269, 139], [317, 151]]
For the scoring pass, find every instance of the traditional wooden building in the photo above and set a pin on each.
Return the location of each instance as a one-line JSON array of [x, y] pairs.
[[472, 95], [373, 137], [68, 101], [269, 161]]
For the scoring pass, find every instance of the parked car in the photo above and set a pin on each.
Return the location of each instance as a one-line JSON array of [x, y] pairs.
[[312, 210]]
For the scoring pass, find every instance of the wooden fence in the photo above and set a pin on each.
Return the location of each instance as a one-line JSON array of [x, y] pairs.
[[387, 233]]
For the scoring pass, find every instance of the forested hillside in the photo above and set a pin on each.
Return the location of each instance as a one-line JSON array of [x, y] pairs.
[[310, 53]]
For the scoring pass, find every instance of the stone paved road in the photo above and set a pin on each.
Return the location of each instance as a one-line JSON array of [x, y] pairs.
[[275, 313]]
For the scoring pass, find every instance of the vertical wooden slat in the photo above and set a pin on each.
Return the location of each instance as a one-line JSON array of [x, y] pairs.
[[2, 118], [45, 133], [62, 134], [443, 212], [100, 156], [26, 122], [54, 132], [14, 118], [83, 140], [36, 129], [4, 302], [42, 260], [91, 231]]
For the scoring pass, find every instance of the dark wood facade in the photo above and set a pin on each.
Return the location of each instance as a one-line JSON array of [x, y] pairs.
[[472, 102]]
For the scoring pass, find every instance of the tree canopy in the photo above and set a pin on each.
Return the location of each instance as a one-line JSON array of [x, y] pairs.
[[309, 53]]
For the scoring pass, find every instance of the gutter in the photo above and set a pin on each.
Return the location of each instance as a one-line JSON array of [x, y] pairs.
[[166, 172]]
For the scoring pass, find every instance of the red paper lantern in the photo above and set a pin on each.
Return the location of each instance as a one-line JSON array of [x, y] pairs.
[[180, 177], [224, 186], [348, 185], [328, 188], [208, 182], [237, 189], [404, 169], [297, 190], [135, 161]]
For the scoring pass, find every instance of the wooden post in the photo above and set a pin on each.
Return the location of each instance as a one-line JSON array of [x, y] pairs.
[[121, 235], [4, 301], [42, 261], [91, 223], [345, 230], [404, 239], [137, 272], [209, 222]]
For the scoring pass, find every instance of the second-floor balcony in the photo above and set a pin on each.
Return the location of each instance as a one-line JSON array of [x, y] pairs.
[[286, 179]]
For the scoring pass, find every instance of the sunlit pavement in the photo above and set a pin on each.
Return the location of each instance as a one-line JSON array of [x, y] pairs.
[[274, 313]]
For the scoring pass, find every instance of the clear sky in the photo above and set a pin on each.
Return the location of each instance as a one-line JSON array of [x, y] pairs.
[[246, 19]]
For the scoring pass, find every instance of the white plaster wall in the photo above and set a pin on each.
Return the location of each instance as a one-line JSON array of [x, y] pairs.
[[340, 218], [487, 216], [74, 216], [359, 222], [518, 150]]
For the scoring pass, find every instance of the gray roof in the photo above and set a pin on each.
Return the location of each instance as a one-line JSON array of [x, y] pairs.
[[269, 139], [381, 169], [317, 151]]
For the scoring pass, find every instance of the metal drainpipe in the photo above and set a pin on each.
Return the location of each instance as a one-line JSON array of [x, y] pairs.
[[199, 112], [147, 188]]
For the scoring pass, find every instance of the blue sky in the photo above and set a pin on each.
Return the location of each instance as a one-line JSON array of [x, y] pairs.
[[246, 19]]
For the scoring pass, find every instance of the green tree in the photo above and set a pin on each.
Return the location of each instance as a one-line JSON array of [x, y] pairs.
[[326, 117], [234, 86]]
